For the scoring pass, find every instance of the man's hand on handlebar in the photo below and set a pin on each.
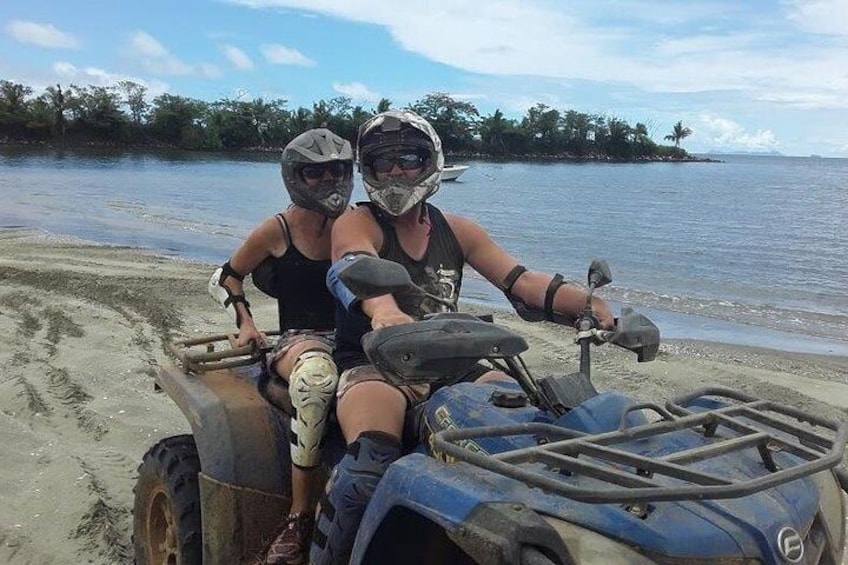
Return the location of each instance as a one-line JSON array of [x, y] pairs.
[[385, 317], [384, 312], [603, 313]]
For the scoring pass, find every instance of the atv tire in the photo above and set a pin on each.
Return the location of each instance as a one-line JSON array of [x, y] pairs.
[[166, 514]]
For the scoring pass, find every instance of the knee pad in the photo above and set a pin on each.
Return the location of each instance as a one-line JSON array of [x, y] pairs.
[[312, 384], [348, 492]]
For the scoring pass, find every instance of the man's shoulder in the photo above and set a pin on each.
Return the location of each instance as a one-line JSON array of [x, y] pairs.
[[460, 222]]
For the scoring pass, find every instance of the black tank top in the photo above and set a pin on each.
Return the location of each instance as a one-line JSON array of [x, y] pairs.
[[439, 272], [299, 285]]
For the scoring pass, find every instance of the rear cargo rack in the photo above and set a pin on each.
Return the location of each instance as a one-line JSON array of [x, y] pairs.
[[567, 458], [199, 355]]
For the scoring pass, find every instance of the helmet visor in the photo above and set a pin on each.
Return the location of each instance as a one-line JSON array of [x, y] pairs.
[[404, 160], [320, 171], [390, 162]]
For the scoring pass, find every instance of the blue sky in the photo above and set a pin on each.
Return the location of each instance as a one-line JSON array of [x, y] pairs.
[[751, 75]]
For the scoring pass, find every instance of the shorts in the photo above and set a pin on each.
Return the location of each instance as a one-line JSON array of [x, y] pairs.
[[414, 394], [290, 338]]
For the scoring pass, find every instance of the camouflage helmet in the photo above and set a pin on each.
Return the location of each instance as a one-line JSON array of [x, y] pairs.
[[398, 131], [317, 147]]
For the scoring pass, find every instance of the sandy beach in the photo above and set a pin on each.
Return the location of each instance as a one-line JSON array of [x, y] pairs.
[[82, 329]]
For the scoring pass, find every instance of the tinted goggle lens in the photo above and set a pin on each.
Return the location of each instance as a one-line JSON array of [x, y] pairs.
[[316, 172], [404, 161]]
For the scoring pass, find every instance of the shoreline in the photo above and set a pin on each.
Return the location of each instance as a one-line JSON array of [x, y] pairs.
[[453, 156], [82, 333], [675, 325]]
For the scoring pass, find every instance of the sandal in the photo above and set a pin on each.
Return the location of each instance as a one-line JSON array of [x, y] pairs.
[[292, 545]]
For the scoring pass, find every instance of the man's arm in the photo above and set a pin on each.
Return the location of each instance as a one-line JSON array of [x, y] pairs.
[[495, 264], [356, 231]]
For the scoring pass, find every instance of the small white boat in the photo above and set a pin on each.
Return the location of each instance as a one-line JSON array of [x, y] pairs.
[[452, 172]]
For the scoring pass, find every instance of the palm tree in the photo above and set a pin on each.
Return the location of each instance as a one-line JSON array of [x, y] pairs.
[[678, 134], [492, 131]]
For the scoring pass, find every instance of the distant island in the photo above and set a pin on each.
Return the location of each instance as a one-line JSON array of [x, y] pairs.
[[121, 116]]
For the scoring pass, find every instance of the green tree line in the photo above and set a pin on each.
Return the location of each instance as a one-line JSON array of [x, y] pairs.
[[122, 115]]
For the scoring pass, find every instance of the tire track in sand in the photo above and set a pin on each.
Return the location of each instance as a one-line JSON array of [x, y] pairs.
[[104, 528]]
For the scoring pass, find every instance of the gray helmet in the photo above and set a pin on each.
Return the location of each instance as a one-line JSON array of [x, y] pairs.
[[318, 147], [397, 131]]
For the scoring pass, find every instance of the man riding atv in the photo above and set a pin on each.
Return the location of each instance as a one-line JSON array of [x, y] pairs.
[[400, 157]]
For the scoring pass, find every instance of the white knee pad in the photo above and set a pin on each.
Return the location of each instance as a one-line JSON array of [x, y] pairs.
[[312, 384]]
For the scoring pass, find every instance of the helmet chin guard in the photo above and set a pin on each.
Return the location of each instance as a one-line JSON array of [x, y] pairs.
[[400, 130], [318, 147]]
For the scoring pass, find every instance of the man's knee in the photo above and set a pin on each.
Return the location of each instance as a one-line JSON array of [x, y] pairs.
[[312, 385], [494, 376], [348, 492]]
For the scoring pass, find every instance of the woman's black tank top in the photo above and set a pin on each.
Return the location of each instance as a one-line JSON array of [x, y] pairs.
[[299, 285]]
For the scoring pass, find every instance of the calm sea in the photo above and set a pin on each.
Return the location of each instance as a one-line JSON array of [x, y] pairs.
[[753, 250]]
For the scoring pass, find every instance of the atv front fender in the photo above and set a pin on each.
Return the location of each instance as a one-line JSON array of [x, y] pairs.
[[418, 516]]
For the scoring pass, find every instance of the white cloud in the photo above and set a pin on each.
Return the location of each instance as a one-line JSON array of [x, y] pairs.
[[70, 73], [147, 45], [237, 57], [209, 70], [820, 16], [356, 91], [280, 55], [721, 133], [154, 57], [704, 46], [44, 35], [88, 75]]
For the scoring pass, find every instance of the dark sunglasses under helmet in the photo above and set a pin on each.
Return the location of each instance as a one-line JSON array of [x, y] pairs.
[[316, 172], [405, 160]]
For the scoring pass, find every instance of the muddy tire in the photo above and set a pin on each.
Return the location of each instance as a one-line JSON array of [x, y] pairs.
[[166, 513]]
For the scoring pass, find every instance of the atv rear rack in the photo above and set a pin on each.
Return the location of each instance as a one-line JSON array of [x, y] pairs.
[[567, 457], [199, 355]]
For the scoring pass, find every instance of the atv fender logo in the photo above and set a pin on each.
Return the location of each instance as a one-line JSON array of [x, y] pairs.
[[444, 421], [790, 544]]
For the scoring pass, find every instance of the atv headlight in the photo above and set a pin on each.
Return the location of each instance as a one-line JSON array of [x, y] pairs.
[[590, 548]]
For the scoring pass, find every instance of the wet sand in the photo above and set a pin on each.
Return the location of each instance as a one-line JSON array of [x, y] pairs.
[[82, 329]]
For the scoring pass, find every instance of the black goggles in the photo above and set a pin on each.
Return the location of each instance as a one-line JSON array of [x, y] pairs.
[[405, 161], [337, 170]]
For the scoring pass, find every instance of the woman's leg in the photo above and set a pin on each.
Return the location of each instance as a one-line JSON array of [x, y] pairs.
[[308, 367]]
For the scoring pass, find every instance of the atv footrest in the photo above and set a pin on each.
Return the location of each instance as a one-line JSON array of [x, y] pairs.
[[686, 456]]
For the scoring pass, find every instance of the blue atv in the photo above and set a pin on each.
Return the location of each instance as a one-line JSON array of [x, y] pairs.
[[546, 471]]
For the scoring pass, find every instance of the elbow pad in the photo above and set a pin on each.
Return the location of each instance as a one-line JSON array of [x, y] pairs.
[[337, 288], [335, 285], [224, 297], [532, 314]]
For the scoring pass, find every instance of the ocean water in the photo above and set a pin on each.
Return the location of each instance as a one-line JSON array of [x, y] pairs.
[[752, 250]]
